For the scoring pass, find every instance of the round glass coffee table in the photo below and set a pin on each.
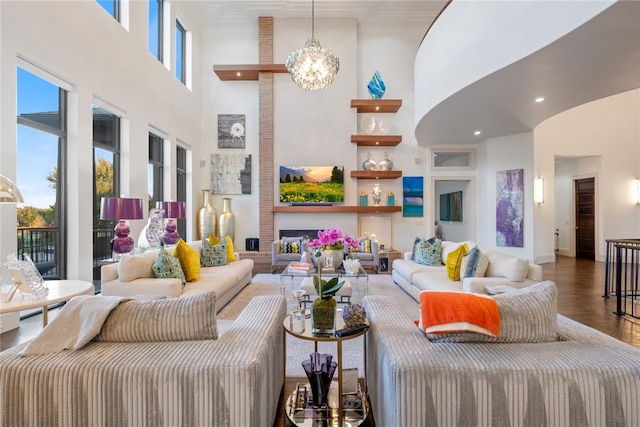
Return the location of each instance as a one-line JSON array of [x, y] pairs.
[[59, 291], [298, 406]]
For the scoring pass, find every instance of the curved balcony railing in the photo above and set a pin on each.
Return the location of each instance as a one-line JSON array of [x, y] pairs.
[[622, 275]]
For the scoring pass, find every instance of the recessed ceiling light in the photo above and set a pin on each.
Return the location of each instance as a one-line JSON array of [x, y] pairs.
[[540, 99], [477, 133]]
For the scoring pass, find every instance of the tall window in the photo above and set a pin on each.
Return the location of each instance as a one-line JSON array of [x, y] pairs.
[[181, 52], [181, 180], [155, 28], [106, 171], [156, 165], [40, 172], [111, 6]]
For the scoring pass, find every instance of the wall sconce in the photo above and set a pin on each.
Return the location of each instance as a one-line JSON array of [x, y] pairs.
[[538, 190], [636, 190]]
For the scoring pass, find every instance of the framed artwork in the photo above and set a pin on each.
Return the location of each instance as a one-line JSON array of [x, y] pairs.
[[231, 131], [509, 208], [451, 207], [383, 264], [231, 173], [412, 196]]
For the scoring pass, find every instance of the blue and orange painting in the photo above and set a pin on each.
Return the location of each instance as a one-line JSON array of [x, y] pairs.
[[412, 196]]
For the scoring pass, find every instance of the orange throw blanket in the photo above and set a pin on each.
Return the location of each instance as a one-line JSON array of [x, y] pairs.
[[444, 312]]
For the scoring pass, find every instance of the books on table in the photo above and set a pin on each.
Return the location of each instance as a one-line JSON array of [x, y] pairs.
[[301, 267]]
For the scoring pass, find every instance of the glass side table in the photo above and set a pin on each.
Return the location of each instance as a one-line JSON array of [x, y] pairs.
[[299, 411]]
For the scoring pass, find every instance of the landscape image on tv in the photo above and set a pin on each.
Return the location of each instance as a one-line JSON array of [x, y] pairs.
[[312, 184]]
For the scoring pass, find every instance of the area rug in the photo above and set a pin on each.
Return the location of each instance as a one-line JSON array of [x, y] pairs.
[[299, 350]]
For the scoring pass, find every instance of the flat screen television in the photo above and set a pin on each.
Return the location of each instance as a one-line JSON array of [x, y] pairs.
[[317, 185]]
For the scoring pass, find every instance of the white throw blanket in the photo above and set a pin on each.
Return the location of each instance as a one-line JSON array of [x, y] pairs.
[[78, 322]]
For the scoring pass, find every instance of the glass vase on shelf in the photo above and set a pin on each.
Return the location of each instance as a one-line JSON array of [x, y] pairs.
[[297, 317]]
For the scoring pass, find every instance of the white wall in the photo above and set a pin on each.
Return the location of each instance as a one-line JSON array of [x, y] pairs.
[[83, 45], [315, 127], [608, 129], [497, 154]]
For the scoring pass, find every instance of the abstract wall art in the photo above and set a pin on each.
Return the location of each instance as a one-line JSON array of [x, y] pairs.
[[231, 131], [412, 196], [231, 173], [451, 206], [509, 208]]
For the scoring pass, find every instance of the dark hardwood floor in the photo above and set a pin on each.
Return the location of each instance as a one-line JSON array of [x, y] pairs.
[[580, 289]]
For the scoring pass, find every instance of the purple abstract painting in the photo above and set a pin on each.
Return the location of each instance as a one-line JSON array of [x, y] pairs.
[[509, 208]]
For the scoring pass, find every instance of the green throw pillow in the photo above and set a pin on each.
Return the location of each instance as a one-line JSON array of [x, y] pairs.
[[167, 265], [213, 255], [428, 253]]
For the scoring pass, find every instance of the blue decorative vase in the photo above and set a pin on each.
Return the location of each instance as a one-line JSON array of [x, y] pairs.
[[376, 86]]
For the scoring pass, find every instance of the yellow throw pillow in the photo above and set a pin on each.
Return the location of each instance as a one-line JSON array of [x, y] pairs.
[[231, 256], [189, 260], [454, 260], [213, 239]]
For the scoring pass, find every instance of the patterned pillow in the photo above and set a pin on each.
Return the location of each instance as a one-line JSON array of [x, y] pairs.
[[294, 247], [165, 319], [167, 265], [416, 242], [474, 264], [428, 253], [213, 255], [189, 260]]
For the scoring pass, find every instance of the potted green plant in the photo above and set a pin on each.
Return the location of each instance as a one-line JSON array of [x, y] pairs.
[[323, 308]]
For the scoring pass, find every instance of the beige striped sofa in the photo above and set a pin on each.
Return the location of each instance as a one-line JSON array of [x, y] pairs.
[[232, 381], [582, 378]]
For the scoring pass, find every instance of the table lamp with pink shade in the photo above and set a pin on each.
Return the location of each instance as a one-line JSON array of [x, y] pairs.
[[172, 211], [121, 209]]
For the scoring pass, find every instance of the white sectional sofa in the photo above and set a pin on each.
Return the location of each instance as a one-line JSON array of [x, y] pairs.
[[226, 280], [414, 277]]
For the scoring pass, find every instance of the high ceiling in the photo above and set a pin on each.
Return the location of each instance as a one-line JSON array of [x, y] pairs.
[[599, 59], [364, 10]]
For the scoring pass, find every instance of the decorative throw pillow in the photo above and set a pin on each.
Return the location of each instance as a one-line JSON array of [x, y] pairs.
[[231, 254], [444, 312], [165, 319], [454, 260], [133, 267], [474, 264], [166, 265], [416, 242], [526, 315], [213, 239], [429, 253], [290, 247], [189, 260], [213, 255], [503, 265]]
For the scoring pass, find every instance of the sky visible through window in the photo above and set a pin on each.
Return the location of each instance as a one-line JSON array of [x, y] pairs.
[[38, 151]]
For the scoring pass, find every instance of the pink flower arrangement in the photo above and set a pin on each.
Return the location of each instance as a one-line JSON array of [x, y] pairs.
[[333, 238]]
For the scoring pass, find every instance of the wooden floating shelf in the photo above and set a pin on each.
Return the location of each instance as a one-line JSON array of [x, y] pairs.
[[376, 105], [376, 174], [336, 209], [376, 140], [246, 71]]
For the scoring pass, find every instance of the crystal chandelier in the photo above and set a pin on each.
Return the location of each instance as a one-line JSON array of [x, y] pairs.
[[312, 67]]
